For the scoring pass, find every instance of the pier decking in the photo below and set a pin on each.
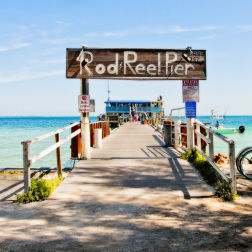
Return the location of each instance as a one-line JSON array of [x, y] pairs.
[[133, 195], [133, 160]]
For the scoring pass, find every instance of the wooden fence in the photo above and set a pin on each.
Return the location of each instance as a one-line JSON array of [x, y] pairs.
[[75, 138], [210, 155], [76, 146], [203, 140]]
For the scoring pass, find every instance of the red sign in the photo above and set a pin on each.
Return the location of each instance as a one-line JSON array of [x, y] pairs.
[[191, 90]]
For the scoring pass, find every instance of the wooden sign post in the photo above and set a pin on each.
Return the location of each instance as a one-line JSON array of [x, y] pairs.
[[130, 64]]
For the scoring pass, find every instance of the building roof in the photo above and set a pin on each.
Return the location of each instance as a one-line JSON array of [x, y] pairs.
[[128, 101]]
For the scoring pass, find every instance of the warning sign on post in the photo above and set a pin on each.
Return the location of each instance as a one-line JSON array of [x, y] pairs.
[[84, 103], [191, 90]]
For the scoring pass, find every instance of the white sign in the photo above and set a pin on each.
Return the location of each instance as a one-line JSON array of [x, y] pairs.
[[190, 90], [84, 103]]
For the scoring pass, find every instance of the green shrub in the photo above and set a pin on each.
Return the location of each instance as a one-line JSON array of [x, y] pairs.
[[40, 190], [209, 174], [225, 192]]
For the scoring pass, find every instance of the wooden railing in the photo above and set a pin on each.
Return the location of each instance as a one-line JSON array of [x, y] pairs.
[[75, 137], [210, 156], [28, 161], [104, 125], [203, 137], [76, 146]]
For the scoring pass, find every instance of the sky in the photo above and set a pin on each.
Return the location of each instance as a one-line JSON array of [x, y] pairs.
[[34, 36]]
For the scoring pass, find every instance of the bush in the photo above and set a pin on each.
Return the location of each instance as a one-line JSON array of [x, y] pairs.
[[40, 190], [209, 174]]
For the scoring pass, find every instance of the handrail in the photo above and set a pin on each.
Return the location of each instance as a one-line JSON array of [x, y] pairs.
[[53, 147], [28, 161], [210, 157], [222, 137], [178, 138], [36, 139]]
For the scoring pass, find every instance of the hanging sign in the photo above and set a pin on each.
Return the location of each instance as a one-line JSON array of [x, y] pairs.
[[84, 103], [136, 64], [190, 90], [190, 109]]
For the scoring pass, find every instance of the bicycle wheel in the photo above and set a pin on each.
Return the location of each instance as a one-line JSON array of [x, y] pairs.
[[239, 156], [244, 163]]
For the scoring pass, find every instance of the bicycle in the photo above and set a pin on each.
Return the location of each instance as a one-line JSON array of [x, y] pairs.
[[244, 162]]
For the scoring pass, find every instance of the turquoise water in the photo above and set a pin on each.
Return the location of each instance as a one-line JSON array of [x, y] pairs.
[[241, 140], [13, 130]]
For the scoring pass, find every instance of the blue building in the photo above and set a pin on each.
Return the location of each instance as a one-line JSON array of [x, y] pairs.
[[126, 108]]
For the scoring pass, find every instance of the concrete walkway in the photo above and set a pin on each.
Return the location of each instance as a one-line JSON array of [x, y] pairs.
[[133, 195]]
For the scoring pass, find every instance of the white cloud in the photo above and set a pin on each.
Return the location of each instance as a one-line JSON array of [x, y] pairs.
[[114, 34], [208, 37], [179, 28], [22, 76], [14, 47], [107, 34], [243, 28]]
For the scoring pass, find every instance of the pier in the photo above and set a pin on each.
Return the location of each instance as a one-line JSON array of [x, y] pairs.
[[133, 160], [134, 194]]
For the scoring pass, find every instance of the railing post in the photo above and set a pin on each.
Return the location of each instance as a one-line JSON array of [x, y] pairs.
[[198, 136], [58, 156], [171, 143], [232, 166], [190, 133], [211, 147], [177, 134], [27, 166]]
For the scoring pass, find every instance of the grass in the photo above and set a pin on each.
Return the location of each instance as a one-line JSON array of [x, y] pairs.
[[11, 172], [212, 177], [40, 190]]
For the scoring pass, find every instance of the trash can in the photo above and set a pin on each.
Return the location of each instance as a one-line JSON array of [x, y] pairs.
[[167, 134]]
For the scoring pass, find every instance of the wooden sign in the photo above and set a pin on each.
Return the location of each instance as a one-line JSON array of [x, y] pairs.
[[136, 64], [190, 90]]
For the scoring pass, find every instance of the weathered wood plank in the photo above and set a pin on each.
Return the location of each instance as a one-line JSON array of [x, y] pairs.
[[136, 63]]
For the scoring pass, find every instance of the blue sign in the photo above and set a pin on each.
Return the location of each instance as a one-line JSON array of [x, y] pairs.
[[190, 109]]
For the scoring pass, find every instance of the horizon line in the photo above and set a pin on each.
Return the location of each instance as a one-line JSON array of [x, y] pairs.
[[93, 115]]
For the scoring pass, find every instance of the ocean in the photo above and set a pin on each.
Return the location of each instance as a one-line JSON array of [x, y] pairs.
[[14, 130]]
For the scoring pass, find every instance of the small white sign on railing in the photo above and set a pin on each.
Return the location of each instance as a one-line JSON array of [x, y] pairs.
[[84, 103]]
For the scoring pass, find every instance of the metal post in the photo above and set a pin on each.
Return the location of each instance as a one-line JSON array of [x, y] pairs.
[[232, 166], [190, 133], [211, 147], [27, 166], [85, 128]]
